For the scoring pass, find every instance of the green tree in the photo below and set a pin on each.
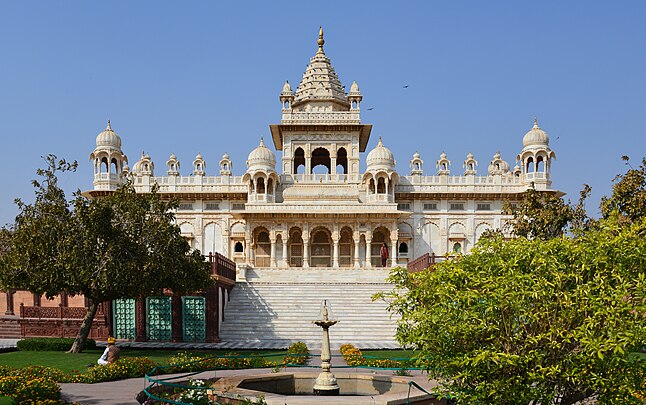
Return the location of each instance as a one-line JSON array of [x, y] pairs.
[[544, 215], [533, 321], [123, 245], [628, 199]]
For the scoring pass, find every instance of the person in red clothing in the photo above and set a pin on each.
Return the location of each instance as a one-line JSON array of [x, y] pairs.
[[383, 252]]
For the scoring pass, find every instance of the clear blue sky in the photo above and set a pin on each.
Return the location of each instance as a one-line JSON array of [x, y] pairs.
[[204, 76]]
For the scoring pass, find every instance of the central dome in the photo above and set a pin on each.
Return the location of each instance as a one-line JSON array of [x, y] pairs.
[[108, 138], [536, 136], [261, 158], [380, 157]]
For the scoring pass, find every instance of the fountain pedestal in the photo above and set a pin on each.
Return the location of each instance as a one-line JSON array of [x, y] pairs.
[[326, 384]]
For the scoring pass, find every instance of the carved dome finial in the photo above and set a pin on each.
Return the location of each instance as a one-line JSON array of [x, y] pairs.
[[321, 41]]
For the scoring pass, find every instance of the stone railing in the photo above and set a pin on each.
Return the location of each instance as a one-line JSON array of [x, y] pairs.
[[320, 178], [331, 117], [426, 261]]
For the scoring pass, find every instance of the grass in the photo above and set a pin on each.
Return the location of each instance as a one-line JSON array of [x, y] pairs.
[[389, 354], [69, 362], [6, 401]]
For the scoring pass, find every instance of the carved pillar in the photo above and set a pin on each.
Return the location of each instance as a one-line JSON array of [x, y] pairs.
[[9, 310], [335, 251], [285, 259], [272, 257], [333, 165], [357, 241], [308, 165], [368, 263], [247, 250], [140, 320], [63, 299], [306, 252], [393, 254], [176, 324]]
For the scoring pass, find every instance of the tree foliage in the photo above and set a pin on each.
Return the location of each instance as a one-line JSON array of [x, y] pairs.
[[533, 321], [544, 215], [628, 199], [124, 245]]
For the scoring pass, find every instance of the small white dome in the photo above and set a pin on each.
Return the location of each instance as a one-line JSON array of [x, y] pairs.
[[354, 88], [108, 138], [261, 158], [380, 157], [287, 89], [225, 156], [536, 136]]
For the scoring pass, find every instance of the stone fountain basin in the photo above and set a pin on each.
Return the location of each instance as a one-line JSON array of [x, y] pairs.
[[297, 388]]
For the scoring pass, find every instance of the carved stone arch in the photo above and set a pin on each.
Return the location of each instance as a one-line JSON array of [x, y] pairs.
[[430, 239], [262, 244], [320, 247], [380, 235], [213, 238], [480, 228], [237, 227], [321, 156], [342, 160], [346, 246], [295, 246]]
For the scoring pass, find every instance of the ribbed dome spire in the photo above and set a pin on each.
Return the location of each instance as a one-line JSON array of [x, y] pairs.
[[320, 83]]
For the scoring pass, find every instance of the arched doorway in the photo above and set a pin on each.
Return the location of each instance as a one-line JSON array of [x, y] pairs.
[[321, 249], [263, 249], [295, 248], [346, 248], [379, 237]]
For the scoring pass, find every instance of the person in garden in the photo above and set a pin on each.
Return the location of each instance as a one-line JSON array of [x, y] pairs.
[[111, 353]]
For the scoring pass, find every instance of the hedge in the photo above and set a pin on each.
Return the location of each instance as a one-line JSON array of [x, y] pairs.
[[44, 344]]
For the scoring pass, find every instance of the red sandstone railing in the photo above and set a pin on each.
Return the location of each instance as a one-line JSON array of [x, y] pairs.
[[59, 312], [222, 266], [426, 261]]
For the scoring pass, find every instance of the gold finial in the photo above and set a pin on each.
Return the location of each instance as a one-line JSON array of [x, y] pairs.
[[321, 40], [108, 128], [535, 122]]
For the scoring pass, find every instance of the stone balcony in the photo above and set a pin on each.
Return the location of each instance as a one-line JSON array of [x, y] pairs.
[[331, 117]]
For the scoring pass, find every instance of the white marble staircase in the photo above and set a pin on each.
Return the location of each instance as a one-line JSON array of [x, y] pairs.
[[276, 307]]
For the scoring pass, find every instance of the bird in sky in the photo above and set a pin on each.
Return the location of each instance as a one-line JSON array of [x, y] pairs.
[[405, 86], [371, 108]]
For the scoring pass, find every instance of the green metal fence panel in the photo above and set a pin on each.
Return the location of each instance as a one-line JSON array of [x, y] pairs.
[[193, 319], [123, 311], [159, 318]]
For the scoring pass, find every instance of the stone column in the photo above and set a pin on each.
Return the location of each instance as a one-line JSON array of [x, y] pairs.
[[335, 251], [176, 324], [306, 252], [368, 263], [357, 240], [272, 257], [285, 258], [333, 165], [308, 165], [393, 254], [247, 243], [9, 310]]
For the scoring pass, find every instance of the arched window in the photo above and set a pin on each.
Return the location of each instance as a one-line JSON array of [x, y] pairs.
[[104, 165], [444, 166], [295, 249], [354, 105], [299, 161], [417, 166], [381, 185], [346, 248], [261, 185], [403, 248], [321, 249], [225, 166], [238, 247], [540, 164], [263, 249], [379, 237], [371, 186], [114, 165], [457, 247], [529, 168], [321, 157], [497, 166], [270, 186], [470, 166]]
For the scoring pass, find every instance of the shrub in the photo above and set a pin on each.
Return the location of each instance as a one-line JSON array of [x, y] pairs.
[[35, 372], [354, 357], [297, 353], [51, 344], [126, 367], [36, 390]]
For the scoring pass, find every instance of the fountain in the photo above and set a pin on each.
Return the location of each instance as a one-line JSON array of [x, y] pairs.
[[326, 382]]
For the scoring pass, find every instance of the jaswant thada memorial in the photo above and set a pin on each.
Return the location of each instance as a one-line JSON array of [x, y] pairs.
[[309, 226]]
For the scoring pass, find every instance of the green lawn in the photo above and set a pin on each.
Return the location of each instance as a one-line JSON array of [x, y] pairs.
[[69, 362], [389, 354], [6, 401]]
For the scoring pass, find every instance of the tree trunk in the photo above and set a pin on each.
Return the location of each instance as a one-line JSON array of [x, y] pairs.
[[81, 338]]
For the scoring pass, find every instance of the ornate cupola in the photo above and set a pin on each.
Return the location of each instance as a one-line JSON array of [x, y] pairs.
[[199, 165], [225, 165], [109, 160], [380, 177], [355, 97], [287, 96], [416, 164], [498, 167], [173, 165], [320, 89], [536, 157], [443, 165], [470, 165], [144, 167], [261, 175]]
